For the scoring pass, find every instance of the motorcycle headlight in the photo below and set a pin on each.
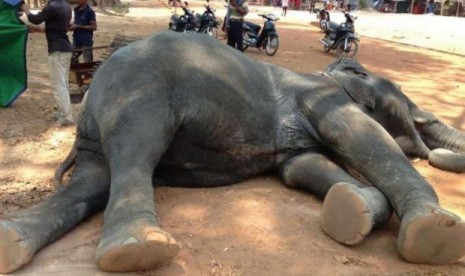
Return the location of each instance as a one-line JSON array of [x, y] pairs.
[[351, 28]]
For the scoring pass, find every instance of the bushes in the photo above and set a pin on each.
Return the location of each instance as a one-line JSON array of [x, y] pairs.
[[362, 4]]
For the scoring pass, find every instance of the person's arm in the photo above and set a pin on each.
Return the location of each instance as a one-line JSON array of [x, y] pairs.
[[35, 28], [242, 9], [36, 18], [91, 27]]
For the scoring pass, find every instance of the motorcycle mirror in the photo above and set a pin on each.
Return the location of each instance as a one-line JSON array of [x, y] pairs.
[[185, 3]]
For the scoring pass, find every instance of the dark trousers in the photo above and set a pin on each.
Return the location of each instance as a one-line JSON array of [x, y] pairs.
[[235, 30], [87, 55]]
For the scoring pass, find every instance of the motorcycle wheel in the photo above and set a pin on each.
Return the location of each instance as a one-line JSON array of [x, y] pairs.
[[211, 31], [351, 51], [327, 48], [272, 45], [245, 36]]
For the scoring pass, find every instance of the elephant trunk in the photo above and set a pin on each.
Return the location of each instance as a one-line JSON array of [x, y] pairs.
[[439, 135], [447, 160], [447, 144]]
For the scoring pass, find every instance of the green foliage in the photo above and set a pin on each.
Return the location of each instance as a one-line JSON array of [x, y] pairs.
[[363, 4], [120, 8]]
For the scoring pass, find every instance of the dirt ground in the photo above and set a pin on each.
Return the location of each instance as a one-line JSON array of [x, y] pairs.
[[258, 227]]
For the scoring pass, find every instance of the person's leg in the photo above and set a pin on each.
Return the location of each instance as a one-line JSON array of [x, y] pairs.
[[230, 32], [238, 30], [87, 54], [59, 63]]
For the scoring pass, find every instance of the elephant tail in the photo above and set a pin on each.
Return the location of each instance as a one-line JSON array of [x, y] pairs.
[[69, 161]]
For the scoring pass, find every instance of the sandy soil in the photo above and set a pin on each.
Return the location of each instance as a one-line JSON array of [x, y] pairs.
[[258, 227]]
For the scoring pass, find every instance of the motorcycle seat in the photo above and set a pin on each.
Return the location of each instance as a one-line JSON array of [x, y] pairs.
[[333, 26], [255, 27]]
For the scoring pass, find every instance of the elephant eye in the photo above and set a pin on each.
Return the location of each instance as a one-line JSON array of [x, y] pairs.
[[361, 74], [358, 73]]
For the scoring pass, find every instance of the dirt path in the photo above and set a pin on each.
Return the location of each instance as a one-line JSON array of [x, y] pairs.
[[258, 227]]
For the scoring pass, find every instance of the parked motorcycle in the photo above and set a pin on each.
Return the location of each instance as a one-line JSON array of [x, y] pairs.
[[184, 23], [208, 23], [341, 37], [323, 17], [268, 39]]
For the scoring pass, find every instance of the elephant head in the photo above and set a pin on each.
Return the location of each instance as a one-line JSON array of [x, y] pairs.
[[417, 132]]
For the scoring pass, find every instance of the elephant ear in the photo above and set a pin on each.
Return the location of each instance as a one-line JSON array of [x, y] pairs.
[[355, 79], [420, 116]]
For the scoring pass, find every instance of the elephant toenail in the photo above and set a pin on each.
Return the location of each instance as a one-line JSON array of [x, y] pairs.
[[130, 241], [157, 236]]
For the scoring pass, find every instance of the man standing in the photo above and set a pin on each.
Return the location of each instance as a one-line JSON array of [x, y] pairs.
[[85, 24], [57, 16], [237, 9]]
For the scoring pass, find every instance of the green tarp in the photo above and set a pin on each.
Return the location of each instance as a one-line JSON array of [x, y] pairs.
[[13, 38]]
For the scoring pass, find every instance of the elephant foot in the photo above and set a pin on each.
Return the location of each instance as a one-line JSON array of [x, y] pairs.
[[345, 215], [351, 211], [136, 249], [436, 238], [15, 251]]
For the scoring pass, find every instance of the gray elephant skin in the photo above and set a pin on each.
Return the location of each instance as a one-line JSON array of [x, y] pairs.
[[187, 110]]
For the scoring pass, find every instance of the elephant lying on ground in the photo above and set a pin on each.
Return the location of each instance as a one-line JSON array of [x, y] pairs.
[[166, 117]]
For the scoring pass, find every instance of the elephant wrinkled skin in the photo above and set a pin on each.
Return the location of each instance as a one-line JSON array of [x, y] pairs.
[[166, 117]]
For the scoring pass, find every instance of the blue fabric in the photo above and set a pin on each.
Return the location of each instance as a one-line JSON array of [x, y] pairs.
[[83, 17], [12, 2]]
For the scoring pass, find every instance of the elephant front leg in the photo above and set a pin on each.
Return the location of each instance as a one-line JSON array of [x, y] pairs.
[[350, 209], [25, 232], [428, 234]]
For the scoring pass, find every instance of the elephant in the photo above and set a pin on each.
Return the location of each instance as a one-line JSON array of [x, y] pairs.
[[186, 110]]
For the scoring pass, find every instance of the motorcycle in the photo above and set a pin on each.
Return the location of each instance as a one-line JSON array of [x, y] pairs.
[[268, 39], [341, 37], [323, 17], [185, 23], [208, 22]]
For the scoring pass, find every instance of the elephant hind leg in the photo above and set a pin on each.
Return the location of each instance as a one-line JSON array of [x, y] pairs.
[[14, 250], [25, 232], [156, 249], [434, 237], [350, 209], [132, 239]]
